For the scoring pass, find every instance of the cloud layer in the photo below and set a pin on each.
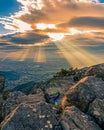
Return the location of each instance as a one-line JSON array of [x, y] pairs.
[[79, 22], [53, 12]]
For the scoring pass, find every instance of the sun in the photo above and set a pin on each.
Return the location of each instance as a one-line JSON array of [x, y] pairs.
[[43, 26], [56, 36]]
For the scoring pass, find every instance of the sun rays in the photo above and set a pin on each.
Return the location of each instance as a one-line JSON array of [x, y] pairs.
[[34, 51], [56, 36], [75, 55]]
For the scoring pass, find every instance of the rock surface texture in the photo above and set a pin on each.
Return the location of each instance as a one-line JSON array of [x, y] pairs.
[[66, 102], [96, 110], [74, 119], [30, 117]]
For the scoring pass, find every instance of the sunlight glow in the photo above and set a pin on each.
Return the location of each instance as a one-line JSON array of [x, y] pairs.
[[75, 55], [43, 26], [23, 26], [56, 36], [75, 31], [40, 56], [35, 52]]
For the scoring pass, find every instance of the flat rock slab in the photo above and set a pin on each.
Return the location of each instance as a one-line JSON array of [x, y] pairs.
[[84, 92], [29, 117], [74, 119], [96, 110]]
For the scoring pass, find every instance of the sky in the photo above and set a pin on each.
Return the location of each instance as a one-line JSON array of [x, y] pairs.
[[76, 27]]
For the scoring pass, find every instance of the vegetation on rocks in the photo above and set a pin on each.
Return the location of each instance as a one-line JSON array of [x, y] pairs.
[[66, 72]]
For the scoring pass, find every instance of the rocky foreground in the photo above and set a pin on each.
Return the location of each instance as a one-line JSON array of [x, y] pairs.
[[69, 101]]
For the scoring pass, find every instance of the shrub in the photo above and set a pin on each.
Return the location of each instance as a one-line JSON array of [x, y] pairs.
[[66, 72]]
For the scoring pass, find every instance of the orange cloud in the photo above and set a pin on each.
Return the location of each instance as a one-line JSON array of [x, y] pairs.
[[54, 12]]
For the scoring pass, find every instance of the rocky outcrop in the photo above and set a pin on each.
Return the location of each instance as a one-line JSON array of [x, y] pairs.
[[31, 117], [60, 84], [16, 98], [96, 110], [74, 119], [74, 102], [96, 70], [84, 92]]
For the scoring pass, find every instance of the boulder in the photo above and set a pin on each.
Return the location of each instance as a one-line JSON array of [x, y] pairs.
[[74, 119], [16, 98], [84, 92], [79, 74], [96, 110], [39, 116], [58, 84], [95, 70]]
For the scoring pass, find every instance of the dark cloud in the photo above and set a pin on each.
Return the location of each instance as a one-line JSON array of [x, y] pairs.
[[10, 48], [89, 40], [25, 38], [92, 22]]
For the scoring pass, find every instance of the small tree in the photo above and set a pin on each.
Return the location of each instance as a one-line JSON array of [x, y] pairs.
[[65, 72]]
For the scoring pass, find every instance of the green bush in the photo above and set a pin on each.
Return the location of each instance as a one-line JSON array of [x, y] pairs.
[[66, 72]]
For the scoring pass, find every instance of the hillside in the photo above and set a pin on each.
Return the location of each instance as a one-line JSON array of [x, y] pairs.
[[72, 100]]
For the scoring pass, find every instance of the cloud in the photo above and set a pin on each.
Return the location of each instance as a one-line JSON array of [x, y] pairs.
[[68, 17], [50, 12], [88, 22], [78, 23], [24, 38]]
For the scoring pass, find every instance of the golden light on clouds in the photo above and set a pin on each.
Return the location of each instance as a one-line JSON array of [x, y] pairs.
[[22, 26], [56, 36], [40, 22], [75, 31], [49, 14], [43, 26]]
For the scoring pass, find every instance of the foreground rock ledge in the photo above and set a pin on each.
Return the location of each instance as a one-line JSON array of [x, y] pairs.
[[84, 92], [74, 119], [30, 117]]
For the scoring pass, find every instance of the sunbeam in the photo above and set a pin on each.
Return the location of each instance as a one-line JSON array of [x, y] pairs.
[[14, 55], [25, 54], [40, 55], [75, 55]]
